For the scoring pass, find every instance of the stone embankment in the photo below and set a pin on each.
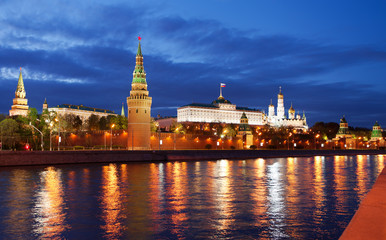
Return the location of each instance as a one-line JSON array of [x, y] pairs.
[[369, 222], [9, 158]]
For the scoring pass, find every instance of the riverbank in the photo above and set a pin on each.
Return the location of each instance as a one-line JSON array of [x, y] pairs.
[[10, 158], [369, 222]]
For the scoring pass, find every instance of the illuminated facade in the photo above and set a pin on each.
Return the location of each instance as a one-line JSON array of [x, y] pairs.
[[20, 102], [223, 111], [280, 120], [219, 111], [79, 110], [139, 106], [376, 134], [245, 132], [343, 131]]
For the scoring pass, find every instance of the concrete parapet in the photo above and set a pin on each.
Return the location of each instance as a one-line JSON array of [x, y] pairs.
[[369, 222], [9, 158]]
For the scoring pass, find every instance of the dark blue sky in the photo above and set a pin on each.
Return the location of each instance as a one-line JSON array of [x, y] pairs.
[[329, 56]]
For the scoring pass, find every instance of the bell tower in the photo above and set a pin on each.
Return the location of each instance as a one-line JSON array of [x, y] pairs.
[[139, 106]]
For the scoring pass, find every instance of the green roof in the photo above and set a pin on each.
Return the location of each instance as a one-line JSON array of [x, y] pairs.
[[81, 107], [139, 51]]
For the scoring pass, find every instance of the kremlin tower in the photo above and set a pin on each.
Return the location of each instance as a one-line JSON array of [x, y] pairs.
[[139, 106], [280, 106], [19, 106]]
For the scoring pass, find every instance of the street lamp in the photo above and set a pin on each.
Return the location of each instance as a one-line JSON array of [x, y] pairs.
[[42, 143], [316, 139], [111, 139], [1, 142], [59, 139], [51, 124]]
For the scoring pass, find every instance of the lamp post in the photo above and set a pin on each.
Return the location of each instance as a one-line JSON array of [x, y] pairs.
[[51, 124], [159, 138], [1, 143], [316, 139], [111, 138], [105, 140], [42, 143], [59, 139]]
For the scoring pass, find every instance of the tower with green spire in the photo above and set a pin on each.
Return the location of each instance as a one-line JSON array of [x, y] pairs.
[[20, 102], [139, 106], [376, 134], [245, 132], [123, 111], [343, 131]]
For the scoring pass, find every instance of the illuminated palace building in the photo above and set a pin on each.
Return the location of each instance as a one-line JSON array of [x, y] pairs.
[[79, 110], [222, 110]]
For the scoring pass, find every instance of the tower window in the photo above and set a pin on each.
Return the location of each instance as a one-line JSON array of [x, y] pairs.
[[136, 110]]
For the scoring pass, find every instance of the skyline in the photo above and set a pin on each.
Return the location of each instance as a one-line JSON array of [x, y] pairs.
[[328, 65]]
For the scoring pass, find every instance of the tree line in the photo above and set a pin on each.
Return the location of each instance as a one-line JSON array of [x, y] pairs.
[[16, 132]]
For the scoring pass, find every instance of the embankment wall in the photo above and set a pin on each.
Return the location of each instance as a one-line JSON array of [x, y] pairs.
[[10, 158]]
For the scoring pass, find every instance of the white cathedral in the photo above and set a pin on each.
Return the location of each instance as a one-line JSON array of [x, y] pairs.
[[280, 119], [223, 111]]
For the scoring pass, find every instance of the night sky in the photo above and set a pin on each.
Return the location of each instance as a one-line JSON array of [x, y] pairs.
[[329, 56]]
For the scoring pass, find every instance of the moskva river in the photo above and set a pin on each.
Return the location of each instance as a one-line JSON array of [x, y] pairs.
[[279, 198]]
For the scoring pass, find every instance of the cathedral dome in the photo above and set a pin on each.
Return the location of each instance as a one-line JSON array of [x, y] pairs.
[[291, 110]]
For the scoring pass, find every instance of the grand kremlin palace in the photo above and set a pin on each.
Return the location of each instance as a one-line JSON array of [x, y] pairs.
[[222, 110]]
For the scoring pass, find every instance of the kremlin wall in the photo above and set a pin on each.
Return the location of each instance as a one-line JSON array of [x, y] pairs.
[[252, 127]]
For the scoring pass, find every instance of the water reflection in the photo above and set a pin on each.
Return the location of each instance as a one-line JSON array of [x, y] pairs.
[[276, 201], [223, 196], [290, 198], [18, 192], [50, 209], [111, 202]]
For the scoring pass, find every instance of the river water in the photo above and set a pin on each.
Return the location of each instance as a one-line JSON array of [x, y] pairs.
[[278, 198]]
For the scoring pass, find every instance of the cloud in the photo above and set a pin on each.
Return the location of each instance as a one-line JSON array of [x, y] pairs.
[[83, 53]]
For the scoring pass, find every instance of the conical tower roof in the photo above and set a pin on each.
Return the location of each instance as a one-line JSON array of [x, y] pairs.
[[376, 124], [139, 51], [343, 120], [20, 91], [139, 74], [123, 110]]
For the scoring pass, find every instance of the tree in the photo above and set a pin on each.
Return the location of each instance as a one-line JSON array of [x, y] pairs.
[[153, 125], [177, 128], [10, 132], [93, 123], [229, 131], [2, 117], [103, 123]]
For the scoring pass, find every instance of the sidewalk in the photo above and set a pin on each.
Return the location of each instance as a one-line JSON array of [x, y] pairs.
[[369, 222]]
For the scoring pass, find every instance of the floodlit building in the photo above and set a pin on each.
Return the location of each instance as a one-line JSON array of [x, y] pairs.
[[245, 132], [345, 136], [79, 110], [20, 102], [281, 120], [222, 110], [139, 106]]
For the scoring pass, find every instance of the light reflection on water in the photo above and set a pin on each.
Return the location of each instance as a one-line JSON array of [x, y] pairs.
[[283, 198]]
